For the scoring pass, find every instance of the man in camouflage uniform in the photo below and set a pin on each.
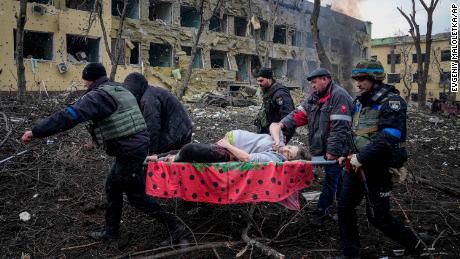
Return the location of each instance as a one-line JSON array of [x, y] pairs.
[[277, 103], [379, 125]]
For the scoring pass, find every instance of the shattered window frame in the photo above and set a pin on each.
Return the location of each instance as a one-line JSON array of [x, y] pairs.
[[92, 52], [136, 49], [198, 60], [214, 52], [243, 61], [279, 34], [48, 49], [263, 30], [297, 38], [279, 68], [240, 26], [82, 5], [445, 55], [131, 11], [164, 50], [185, 9], [393, 78], [161, 5], [255, 65], [216, 24], [397, 58]]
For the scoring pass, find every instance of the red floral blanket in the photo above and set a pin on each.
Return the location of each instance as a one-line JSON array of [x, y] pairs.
[[229, 183]]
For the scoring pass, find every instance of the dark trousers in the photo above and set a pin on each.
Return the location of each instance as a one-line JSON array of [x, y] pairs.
[[203, 153], [351, 194], [127, 176]]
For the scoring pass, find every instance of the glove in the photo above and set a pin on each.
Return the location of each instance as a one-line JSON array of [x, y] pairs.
[[354, 161]]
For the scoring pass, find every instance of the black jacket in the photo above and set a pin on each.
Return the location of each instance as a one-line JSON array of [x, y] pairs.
[[94, 105], [277, 102], [328, 117], [392, 116]]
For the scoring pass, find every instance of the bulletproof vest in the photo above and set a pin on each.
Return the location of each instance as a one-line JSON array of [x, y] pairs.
[[127, 120], [366, 119]]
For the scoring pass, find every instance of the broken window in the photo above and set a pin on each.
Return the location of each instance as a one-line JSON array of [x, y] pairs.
[[197, 61], [132, 8], [295, 70], [444, 77], [135, 52], [39, 1], [84, 5], [37, 45], [414, 97], [161, 11], [445, 55], [242, 61], [82, 49], [121, 56], [310, 42], [216, 24], [189, 17], [218, 59], [240, 26], [255, 65], [263, 30], [160, 55], [296, 38], [414, 77], [397, 58], [414, 58], [278, 68], [279, 35], [394, 78]]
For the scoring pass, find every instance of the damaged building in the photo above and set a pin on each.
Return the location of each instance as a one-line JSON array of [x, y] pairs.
[[239, 37]]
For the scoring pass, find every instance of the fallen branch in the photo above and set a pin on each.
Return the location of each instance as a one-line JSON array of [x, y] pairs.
[[7, 128], [191, 249], [438, 186], [265, 249], [80, 246]]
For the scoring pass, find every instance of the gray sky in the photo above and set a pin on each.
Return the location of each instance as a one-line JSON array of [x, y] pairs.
[[386, 19]]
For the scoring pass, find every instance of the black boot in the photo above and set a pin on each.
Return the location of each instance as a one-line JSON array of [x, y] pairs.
[[103, 235]]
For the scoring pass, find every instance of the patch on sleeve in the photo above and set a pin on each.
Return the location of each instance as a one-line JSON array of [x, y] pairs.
[[279, 100], [395, 105], [343, 108]]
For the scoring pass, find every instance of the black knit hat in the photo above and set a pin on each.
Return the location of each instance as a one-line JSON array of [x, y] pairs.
[[265, 72], [93, 71], [136, 83]]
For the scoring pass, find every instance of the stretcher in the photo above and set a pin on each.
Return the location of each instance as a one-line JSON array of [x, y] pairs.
[[232, 182]]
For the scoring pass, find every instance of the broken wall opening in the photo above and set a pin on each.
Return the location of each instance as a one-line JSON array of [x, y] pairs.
[[216, 24], [84, 5], [37, 45], [279, 35], [255, 65], [278, 68], [198, 60], [243, 64], [135, 53], [161, 11], [132, 8], [160, 55], [82, 49], [189, 17], [218, 59], [295, 70], [263, 30], [240, 26]]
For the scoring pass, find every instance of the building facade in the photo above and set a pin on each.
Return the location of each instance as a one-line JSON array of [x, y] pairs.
[[398, 57], [158, 36]]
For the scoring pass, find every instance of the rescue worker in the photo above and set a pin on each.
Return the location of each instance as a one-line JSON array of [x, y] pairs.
[[379, 126], [327, 111], [118, 126], [167, 121], [277, 103]]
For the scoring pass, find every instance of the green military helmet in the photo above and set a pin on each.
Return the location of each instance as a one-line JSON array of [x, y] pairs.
[[369, 68]]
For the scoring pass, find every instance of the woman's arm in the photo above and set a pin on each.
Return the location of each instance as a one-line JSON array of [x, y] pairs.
[[240, 154]]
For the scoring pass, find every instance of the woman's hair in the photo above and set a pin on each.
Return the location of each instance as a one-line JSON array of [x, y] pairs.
[[302, 154]]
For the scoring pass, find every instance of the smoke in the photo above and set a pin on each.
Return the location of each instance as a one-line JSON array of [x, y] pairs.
[[348, 7]]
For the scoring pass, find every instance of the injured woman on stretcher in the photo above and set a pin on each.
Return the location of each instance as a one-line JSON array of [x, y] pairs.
[[238, 145]]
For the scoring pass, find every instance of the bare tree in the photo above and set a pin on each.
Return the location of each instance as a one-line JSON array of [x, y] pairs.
[[21, 20], [404, 49], [204, 20], [423, 66], [322, 56], [115, 53]]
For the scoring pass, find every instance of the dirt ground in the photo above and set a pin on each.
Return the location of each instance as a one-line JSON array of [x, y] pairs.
[[61, 186]]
